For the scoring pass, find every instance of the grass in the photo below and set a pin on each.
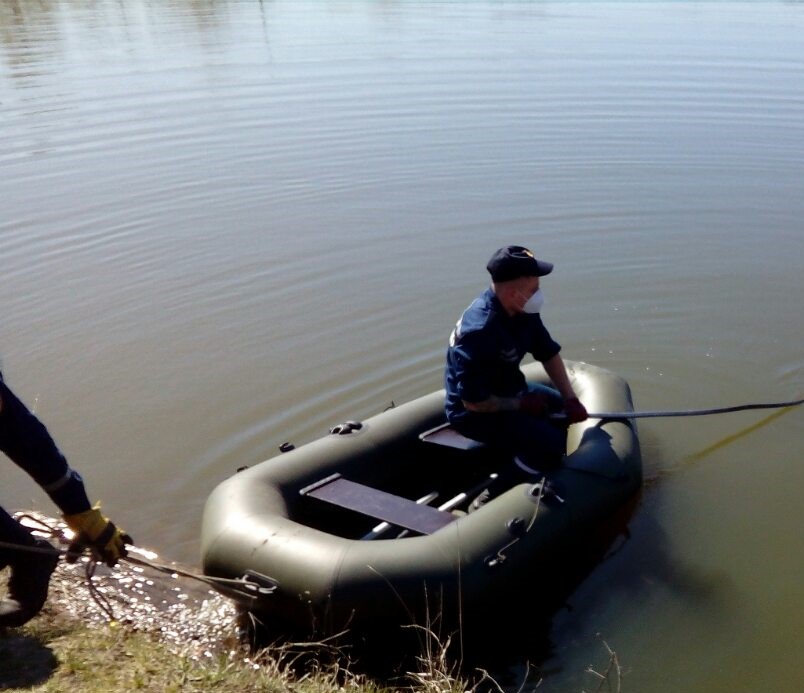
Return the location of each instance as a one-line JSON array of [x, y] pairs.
[[612, 675], [55, 654], [59, 652]]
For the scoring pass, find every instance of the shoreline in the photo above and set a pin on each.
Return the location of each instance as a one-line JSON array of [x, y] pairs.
[[134, 628]]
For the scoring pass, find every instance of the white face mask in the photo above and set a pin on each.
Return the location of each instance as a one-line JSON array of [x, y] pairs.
[[535, 303]]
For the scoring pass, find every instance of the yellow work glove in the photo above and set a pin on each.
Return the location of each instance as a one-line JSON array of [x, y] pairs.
[[95, 532]]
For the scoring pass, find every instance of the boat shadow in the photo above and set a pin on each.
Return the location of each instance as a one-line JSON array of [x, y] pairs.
[[519, 627]]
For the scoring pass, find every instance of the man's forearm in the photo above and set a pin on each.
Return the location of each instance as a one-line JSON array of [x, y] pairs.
[[558, 374]]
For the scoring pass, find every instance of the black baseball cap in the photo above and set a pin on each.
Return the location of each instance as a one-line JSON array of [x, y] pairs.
[[514, 261]]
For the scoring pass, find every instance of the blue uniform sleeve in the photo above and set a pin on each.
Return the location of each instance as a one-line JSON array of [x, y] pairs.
[[468, 368], [28, 444], [543, 346]]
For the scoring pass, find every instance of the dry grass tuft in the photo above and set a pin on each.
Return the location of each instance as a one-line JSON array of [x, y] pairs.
[[611, 676]]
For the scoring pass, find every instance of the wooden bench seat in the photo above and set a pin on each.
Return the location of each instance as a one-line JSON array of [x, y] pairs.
[[373, 502], [446, 435]]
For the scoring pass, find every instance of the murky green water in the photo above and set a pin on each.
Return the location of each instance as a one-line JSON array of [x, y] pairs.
[[229, 224]]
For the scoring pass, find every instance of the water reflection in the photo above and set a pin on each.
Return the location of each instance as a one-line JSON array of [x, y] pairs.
[[38, 39], [30, 43], [663, 470]]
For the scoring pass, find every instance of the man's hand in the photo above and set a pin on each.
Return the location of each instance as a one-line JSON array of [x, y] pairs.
[[534, 403], [575, 411], [98, 534]]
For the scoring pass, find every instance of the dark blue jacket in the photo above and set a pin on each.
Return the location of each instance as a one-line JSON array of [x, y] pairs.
[[485, 350]]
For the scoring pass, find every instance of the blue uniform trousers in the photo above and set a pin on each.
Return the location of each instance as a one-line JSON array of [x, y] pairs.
[[537, 442]]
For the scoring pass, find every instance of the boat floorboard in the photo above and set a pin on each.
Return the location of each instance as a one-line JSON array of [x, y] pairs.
[[373, 502]]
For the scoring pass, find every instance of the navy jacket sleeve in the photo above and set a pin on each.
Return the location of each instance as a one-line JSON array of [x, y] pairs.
[[469, 361], [543, 346], [28, 444]]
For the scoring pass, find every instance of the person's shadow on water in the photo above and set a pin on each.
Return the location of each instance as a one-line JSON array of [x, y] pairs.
[[25, 661]]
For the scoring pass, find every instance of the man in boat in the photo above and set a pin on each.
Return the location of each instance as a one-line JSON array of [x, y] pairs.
[[26, 441], [488, 398]]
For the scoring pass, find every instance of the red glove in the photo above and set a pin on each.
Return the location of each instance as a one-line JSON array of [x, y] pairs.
[[575, 411], [534, 403]]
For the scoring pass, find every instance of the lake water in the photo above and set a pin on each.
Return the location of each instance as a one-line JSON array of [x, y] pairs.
[[230, 224]]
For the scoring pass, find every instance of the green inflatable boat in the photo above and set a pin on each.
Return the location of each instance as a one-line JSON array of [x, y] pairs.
[[368, 527]]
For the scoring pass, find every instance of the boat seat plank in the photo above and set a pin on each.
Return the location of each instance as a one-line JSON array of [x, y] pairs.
[[373, 502], [446, 435]]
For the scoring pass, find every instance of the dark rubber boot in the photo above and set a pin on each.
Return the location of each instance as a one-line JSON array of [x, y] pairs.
[[27, 588]]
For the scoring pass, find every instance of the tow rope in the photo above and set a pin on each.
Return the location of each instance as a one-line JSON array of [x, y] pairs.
[[252, 585]]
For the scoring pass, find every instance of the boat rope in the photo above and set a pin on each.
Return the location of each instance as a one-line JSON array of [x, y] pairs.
[[499, 556], [100, 599], [685, 412], [240, 586], [251, 585]]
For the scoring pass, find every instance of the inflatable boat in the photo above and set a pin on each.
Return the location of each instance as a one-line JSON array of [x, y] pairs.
[[368, 526]]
